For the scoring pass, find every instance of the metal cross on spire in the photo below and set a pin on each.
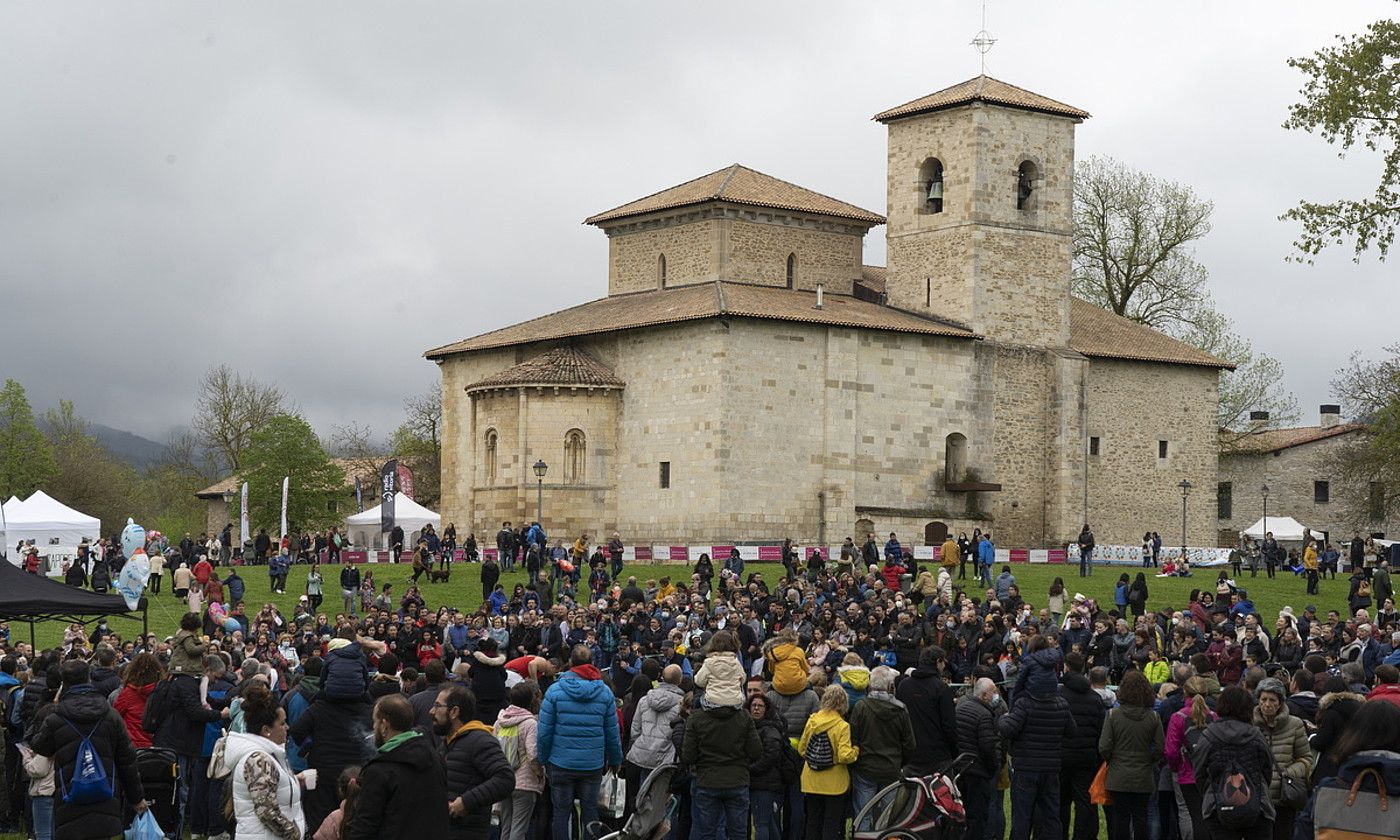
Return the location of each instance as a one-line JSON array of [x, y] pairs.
[[984, 40]]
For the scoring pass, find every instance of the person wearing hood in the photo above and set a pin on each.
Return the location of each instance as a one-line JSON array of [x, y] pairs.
[[403, 787], [81, 711], [720, 744], [929, 701], [824, 790], [1369, 753], [651, 745], [478, 774], [266, 794], [882, 731], [1037, 726], [1287, 738], [488, 680], [578, 738], [1130, 742], [516, 730], [1233, 743], [788, 664], [853, 676], [1334, 714], [1080, 758]]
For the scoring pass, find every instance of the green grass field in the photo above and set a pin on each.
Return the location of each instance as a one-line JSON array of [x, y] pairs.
[[464, 591]]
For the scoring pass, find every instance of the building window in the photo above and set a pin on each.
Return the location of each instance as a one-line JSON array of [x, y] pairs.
[[1225, 501], [1376, 501], [1094, 445], [490, 459], [661, 272], [1161, 449], [1027, 181], [931, 186], [1322, 492], [575, 453], [954, 458], [791, 270], [665, 476]]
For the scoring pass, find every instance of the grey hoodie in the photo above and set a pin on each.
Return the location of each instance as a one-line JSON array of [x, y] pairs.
[[651, 727]]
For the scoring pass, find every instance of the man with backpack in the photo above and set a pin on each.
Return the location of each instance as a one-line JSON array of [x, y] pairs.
[[94, 762]]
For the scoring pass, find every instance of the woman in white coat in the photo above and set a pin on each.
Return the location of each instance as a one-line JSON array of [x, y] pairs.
[[266, 794]]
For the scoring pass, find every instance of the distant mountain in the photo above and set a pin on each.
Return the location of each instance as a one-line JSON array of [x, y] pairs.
[[134, 449]]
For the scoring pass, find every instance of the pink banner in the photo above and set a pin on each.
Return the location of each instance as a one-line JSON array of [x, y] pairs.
[[720, 552], [489, 554], [643, 552], [459, 555], [354, 556], [680, 552], [1020, 555], [824, 552], [770, 553], [1057, 555]]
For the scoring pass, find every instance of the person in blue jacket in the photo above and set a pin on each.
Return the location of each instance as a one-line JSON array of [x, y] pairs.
[[986, 556], [577, 739]]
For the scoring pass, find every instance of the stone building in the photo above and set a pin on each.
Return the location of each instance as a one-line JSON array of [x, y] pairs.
[[1299, 466], [746, 378]]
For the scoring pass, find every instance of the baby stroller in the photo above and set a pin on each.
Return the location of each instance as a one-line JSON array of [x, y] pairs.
[[651, 818], [159, 771], [917, 807]]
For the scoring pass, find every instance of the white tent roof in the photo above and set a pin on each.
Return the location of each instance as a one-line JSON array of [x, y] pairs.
[[1285, 528], [52, 525], [408, 515]]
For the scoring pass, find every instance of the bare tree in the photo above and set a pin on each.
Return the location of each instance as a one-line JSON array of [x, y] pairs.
[[229, 408], [356, 443], [1132, 244], [1251, 386], [419, 439], [1364, 387]]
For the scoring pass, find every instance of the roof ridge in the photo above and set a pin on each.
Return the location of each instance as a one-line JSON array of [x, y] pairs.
[[729, 176], [719, 296], [659, 192]]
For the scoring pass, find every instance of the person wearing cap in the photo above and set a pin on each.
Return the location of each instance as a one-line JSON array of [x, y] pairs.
[[1287, 739]]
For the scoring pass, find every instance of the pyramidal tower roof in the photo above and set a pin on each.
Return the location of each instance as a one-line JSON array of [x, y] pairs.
[[740, 185], [981, 89]]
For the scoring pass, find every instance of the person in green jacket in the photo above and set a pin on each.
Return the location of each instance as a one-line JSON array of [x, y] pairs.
[[719, 746], [881, 728], [1130, 743]]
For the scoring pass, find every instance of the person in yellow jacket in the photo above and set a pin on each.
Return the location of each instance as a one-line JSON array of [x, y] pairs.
[[949, 554], [824, 791], [1310, 565], [787, 663]]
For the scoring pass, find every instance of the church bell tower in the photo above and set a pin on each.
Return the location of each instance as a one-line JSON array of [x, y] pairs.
[[980, 185]]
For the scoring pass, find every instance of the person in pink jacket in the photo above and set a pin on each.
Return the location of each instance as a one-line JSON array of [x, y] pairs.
[[1182, 730], [515, 727]]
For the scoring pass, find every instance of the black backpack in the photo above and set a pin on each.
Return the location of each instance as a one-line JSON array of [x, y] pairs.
[[1238, 797], [790, 766], [820, 755]]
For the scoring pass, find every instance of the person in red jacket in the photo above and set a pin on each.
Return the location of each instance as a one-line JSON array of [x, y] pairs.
[[429, 648], [1387, 685], [141, 678]]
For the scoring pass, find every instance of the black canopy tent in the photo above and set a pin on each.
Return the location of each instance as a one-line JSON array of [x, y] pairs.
[[35, 598]]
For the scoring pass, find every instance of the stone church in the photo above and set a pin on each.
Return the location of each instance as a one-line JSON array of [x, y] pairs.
[[746, 378]]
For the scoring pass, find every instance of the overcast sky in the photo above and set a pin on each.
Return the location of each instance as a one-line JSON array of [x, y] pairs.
[[315, 193]]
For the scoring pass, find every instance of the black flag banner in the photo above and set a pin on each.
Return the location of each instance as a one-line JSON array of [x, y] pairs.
[[387, 477]]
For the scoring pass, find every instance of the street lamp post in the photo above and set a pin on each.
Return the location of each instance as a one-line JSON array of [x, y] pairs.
[[1265, 491], [1185, 489], [540, 469]]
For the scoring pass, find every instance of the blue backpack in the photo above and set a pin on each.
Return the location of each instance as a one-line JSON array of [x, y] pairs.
[[87, 782]]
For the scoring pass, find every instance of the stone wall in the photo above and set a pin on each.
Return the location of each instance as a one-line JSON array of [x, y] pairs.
[[690, 249], [757, 252], [981, 260], [1290, 474], [1131, 407]]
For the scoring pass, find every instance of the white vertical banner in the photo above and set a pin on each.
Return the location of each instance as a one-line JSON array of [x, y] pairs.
[[286, 480], [243, 529]]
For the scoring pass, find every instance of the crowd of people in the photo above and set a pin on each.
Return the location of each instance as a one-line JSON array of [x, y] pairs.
[[786, 699]]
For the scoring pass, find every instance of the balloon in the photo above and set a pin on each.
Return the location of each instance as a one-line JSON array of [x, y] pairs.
[[216, 612], [132, 579], [231, 625], [133, 538]]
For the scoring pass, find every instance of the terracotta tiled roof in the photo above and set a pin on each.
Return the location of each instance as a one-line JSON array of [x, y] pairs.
[[1274, 440], [981, 89], [705, 300], [740, 185], [1096, 332], [561, 366], [230, 484], [873, 277]]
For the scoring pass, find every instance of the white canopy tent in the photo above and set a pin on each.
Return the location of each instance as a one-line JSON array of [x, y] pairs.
[[408, 515], [1285, 528], [54, 528]]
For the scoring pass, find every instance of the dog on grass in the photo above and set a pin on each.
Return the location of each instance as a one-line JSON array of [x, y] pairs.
[[439, 575]]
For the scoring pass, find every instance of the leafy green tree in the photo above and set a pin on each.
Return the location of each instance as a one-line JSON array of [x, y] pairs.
[[26, 459], [286, 446], [88, 477], [1352, 95]]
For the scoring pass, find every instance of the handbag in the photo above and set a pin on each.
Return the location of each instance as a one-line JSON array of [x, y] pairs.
[[1293, 792], [612, 795], [1098, 789]]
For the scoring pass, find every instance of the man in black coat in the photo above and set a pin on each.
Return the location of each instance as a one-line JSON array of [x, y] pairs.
[[490, 573], [505, 546], [103, 675], [1038, 726], [478, 775], [332, 735], [403, 788], [82, 712], [1081, 752], [176, 717], [930, 704]]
